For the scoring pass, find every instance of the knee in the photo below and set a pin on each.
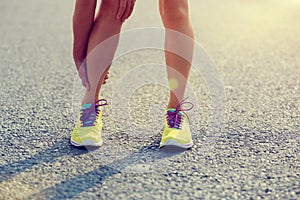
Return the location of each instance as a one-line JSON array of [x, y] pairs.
[[109, 9], [174, 10]]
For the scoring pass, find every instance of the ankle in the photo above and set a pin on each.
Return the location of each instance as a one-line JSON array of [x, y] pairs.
[[88, 101], [172, 105]]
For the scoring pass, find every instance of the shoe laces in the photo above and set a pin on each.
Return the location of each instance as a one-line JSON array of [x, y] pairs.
[[89, 115], [175, 118]]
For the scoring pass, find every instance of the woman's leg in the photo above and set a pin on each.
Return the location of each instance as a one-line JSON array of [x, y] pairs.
[[101, 47], [180, 39]]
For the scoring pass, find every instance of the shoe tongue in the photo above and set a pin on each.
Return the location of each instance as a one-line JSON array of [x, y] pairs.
[[86, 106], [173, 110]]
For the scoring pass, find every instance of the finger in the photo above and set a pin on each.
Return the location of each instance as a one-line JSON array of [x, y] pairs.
[[131, 8], [121, 9], [107, 75], [86, 84], [84, 79], [127, 11], [104, 81]]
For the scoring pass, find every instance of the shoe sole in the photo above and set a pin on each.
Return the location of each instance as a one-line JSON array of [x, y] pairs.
[[86, 143], [175, 143]]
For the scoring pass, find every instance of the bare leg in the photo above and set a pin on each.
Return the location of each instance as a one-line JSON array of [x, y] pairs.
[[101, 47], [175, 16]]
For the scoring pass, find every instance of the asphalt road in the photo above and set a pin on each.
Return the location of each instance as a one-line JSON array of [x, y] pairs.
[[255, 46]]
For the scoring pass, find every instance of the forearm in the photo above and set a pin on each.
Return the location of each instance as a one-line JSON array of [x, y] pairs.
[[83, 20]]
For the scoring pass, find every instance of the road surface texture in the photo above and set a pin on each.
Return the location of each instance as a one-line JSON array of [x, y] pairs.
[[255, 46]]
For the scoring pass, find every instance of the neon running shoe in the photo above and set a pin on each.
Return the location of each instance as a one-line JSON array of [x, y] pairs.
[[176, 127], [87, 131]]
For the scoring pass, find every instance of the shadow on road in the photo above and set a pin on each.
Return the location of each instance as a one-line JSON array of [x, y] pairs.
[[78, 184], [59, 149]]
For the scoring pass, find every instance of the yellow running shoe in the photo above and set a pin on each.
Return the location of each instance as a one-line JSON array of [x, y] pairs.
[[87, 131], [176, 127]]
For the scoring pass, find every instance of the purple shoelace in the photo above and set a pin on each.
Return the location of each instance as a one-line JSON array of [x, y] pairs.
[[174, 118], [89, 115]]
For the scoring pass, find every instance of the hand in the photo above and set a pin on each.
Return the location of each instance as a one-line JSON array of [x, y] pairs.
[[82, 72], [125, 9], [106, 77]]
